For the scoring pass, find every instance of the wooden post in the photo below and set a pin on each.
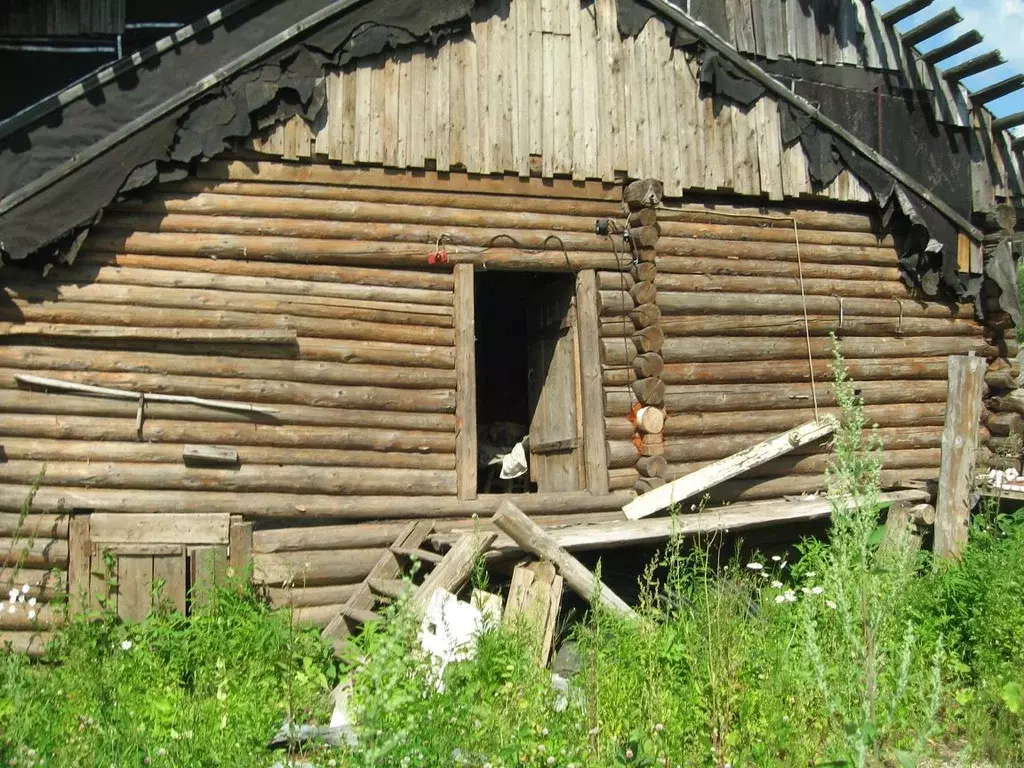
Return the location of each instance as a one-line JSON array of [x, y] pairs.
[[959, 445], [532, 538], [595, 456], [239, 545], [79, 549], [465, 386]]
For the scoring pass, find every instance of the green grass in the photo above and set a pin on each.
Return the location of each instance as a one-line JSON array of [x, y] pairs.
[[833, 653]]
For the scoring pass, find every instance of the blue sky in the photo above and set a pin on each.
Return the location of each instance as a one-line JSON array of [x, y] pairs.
[[1002, 24]]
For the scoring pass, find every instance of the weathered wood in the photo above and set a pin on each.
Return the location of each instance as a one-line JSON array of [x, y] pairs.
[[734, 517], [652, 466], [278, 336], [713, 303], [35, 552], [32, 642], [707, 478], [648, 364], [169, 571], [959, 444], [240, 545], [644, 237], [79, 553], [1004, 424], [645, 193], [532, 538], [33, 526], [134, 586], [591, 387], [649, 391], [43, 585], [822, 254], [208, 566], [303, 597], [199, 528], [534, 600], [648, 339], [671, 284], [209, 455], [465, 389], [815, 464], [47, 617], [249, 479], [783, 326], [454, 569], [650, 421]]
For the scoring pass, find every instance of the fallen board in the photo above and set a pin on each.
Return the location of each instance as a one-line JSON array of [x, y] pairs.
[[713, 474]]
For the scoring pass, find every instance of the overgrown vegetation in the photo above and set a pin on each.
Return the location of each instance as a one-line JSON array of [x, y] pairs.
[[830, 653]]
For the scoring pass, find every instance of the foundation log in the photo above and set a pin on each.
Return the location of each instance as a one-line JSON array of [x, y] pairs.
[[817, 325], [710, 303], [870, 289]]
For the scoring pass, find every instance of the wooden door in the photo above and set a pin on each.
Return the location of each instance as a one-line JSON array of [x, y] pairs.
[[555, 434]]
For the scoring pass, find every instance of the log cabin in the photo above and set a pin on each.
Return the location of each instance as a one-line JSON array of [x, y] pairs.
[[304, 274]]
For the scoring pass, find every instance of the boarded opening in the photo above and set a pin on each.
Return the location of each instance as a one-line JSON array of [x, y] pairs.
[[528, 380]]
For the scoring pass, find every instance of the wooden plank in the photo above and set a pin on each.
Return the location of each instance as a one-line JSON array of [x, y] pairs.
[[391, 124], [738, 516], [966, 379], [240, 545], [534, 599], [414, 111], [536, 79], [577, 114], [208, 565], [520, 17], [704, 479], [465, 387], [532, 538], [363, 125], [561, 53], [170, 571], [444, 105], [79, 552], [594, 447], [963, 252], [488, 90], [376, 125], [134, 586], [454, 570], [199, 528], [209, 455], [633, 108], [132, 549], [346, 121], [769, 147]]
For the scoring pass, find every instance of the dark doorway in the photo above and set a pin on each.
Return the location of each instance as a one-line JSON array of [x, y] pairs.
[[527, 383]]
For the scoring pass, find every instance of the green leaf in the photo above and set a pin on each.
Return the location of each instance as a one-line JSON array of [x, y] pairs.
[[907, 759], [1013, 696]]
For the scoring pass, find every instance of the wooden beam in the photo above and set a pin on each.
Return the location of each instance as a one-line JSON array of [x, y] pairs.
[[905, 10], [959, 444], [595, 456], [465, 387], [933, 26], [974, 66], [703, 479], [532, 538], [454, 569], [1010, 121], [198, 528], [739, 516], [998, 90], [950, 49]]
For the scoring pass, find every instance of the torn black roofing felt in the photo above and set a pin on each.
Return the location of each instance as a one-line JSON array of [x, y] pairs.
[[287, 82]]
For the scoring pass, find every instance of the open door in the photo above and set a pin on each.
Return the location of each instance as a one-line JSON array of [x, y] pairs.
[[553, 387]]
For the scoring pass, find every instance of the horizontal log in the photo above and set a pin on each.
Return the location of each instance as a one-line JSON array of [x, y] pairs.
[[255, 390], [647, 364], [32, 643], [310, 597], [355, 211], [323, 182], [622, 479], [33, 553], [414, 300], [37, 449], [615, 303], [312, 372], [710, 398], [673, 266], [816, 325], [116, 334], [372, 323], [425, 279], [298, 505], [760, 303], [870, 289], [247, 478], [644, 217], [318, 616], [312, 331], [781, 217], [741, 349], [649, 391], [679, 425], [816, 464], [652, 466], [43, 584], [68, 404], [639, 272], [644, 292], [761, 488], [1004, 424], [770, 232], [882, 256], [622, 454], [716, 447], [238, 435], [314, 567], [33, 526]]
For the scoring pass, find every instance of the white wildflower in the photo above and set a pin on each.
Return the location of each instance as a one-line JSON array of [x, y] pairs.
[[805, 590], [810, 574], [777, 584], [25, 588], [31, 615], [12, 595], [126, 645], [755, 566], [780, 599], [831, 604], [817, 590], [776, 558], [31, 601], [790, 596]]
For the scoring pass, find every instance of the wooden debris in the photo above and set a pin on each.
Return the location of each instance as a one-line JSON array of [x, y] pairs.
[[532, 538], [959, 445], [903, 525], [454, 569], [708, 477], [534, 599]]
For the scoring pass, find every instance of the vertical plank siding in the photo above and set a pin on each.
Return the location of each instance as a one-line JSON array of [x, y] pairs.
[[555, 83]]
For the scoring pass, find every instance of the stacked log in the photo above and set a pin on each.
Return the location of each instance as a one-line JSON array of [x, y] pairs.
[[632, 343]]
